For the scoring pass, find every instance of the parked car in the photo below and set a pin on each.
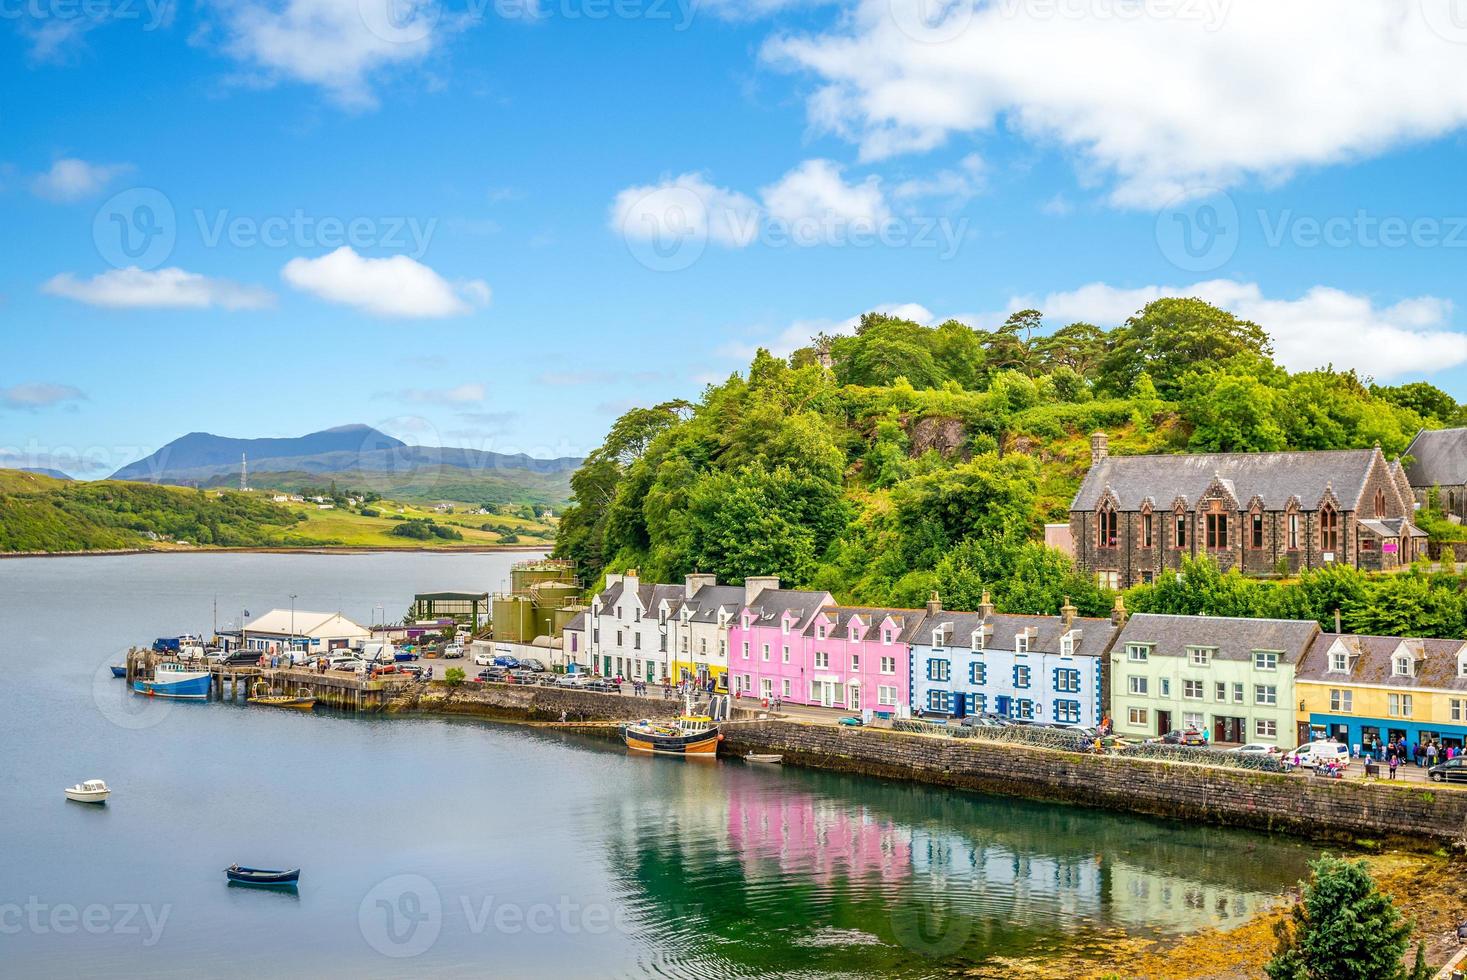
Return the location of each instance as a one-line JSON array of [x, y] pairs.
[[1452, 771], [1257, 748], [343, 662], [507, 662], [1316, 754], [491, 673], [452, 652], [241, 658], [1088, 734], [523, 676], [573, 680], [602, 685], [531, 663], [850, 722], [483, 659]]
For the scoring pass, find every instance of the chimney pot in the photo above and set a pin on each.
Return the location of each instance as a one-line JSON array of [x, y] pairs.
[[934, 604], [1118, 613], [1068, 612], [1099, 446], [985, 608]]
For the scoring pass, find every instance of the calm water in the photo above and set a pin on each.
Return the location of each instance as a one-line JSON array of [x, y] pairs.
[[438, 848]]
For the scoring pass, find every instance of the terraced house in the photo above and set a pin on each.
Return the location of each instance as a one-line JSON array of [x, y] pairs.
[[1028, 668], [1366, 690], [1232, 678], [627, 629], [1135, 517], [769, 657]]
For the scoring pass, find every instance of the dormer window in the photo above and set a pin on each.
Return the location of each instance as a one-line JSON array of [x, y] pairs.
[[938, 639], [1199, 656], [886, 637], [977, 642], [1021, 642], [1067, 645], [820, 632], [1402, 665], [852, 631], [1339, 662], [1462, 664]]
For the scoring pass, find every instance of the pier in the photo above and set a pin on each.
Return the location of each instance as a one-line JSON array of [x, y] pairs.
[[334, 688]]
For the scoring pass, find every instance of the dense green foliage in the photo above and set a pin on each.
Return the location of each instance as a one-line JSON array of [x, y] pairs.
[[1342, 928], [51, 516], [425, 529], [1414, 603], [905, 458]]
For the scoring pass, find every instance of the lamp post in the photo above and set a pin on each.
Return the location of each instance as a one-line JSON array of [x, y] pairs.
[[292, 623]]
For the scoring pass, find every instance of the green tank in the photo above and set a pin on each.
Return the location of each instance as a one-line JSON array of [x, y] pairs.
[[514, 618]]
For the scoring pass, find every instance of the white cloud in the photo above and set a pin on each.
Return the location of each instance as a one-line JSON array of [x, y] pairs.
[[816, 192], [958, 185], [70, 179], [1161, 97], [334, 44], [468, 393], [798, 333], [36, 395], [390, 287], [1325, 325], [171, 288], [683, 207]]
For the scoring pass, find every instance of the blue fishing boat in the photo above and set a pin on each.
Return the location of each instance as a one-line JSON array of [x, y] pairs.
[[262, 876], [175, 681], [119, 671]]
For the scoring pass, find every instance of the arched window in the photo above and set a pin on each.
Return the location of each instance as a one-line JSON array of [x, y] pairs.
[[1106, 526], [1146, 528], [1216, 524], [1380, 510], [1329, 529], [1255, 527]]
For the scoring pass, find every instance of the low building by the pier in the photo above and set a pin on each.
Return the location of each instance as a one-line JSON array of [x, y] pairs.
[[1048, 669], [1231, 678], [1365, 691], [297, 630]]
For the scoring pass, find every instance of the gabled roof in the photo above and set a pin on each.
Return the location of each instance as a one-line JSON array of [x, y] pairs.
[[709, 599], [770, 605], [1273, 477], [908, 621], [1371, 661], [307, 623], [1002, 630], [1439, 458], [1233, 638], [578, 621]]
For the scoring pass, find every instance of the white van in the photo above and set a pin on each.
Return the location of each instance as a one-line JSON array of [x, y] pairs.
[[1315, 754]]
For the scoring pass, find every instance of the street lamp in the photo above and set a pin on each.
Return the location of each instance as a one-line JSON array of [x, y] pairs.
[[292, 621]]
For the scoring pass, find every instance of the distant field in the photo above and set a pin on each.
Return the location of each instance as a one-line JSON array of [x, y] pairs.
[[351, 529]]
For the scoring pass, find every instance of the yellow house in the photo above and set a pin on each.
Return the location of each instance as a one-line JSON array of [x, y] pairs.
[[1366, 691]]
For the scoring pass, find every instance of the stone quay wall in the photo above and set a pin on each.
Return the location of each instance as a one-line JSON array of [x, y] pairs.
[[1339, 809], [525, 702]]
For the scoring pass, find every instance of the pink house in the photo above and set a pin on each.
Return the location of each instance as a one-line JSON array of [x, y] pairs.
[[860, 659], [801, 648], [766, 645]]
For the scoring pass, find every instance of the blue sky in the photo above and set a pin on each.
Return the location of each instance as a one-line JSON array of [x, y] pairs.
[[484, 223]]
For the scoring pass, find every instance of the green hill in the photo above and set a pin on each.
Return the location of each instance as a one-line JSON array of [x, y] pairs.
[[908, 458]]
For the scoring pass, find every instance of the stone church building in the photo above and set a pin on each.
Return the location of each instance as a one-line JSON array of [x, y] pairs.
[[1438, 461], [1136, 517]]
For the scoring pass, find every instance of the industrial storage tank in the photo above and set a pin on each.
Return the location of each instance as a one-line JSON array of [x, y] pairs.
[[514, 618], [525, 574]]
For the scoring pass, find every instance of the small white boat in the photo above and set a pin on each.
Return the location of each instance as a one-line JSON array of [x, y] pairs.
[[90, 791], [771, 759]]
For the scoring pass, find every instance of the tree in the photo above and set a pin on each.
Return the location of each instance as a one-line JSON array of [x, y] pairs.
[[454, 677], [1342, 928], [1170, 336]]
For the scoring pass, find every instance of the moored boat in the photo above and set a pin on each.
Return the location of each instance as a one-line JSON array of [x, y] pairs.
[[88, 791], [119, 671], [299, 702], [769, 759], [175, 681], [690, 735], [262, 876]]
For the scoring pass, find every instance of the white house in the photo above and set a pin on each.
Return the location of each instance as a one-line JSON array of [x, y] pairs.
[[302, 630]]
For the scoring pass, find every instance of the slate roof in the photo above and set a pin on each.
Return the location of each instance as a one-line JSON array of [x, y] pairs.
[[1439, 458], [1095, 634], [706, 602], [1272, 477], [909, 621], [578, 621], [1371, 662], [1232, 638], [770, 605]]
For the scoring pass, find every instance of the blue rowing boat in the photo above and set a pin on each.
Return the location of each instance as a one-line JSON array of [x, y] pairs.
[[262, 876], [119, 671]]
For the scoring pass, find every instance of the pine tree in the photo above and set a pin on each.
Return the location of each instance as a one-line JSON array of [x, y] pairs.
[[1343, 928]]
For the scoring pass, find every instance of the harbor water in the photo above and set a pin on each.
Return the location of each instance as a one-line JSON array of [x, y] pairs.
[[449, 848]]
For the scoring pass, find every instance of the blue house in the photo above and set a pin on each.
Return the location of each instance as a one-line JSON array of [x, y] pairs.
[[1044, 669]]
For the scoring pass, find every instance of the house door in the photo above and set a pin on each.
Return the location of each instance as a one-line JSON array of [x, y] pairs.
[[1305, 734], [1163, 722], [1225, 729], [853, 697]]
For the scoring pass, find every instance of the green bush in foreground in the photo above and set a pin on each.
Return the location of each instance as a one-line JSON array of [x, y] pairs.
[[1342, 928]]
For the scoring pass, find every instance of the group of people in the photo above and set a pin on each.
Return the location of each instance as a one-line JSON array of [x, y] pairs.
[[1396, 753]]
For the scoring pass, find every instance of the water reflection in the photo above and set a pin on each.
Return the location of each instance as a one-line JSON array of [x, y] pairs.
[[794, 870]]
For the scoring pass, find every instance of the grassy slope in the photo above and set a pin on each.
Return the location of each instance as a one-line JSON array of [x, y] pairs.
[[431, 485], [346, 528]]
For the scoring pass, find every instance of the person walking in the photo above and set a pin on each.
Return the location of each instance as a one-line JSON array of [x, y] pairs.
[[1395, 761]]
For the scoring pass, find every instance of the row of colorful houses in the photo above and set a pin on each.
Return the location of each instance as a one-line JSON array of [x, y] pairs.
[[1240, 680]]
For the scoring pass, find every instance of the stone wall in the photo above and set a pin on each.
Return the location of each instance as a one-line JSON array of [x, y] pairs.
[[523, 702], [1322, 808]]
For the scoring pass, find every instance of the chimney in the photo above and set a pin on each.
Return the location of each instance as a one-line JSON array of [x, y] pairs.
[[985, 608], [696, 581], [1118, 614], [1067, 613], [934, 604], [613, 578], [1099, 446], [1337, 622], [755, 584], [629, 579]]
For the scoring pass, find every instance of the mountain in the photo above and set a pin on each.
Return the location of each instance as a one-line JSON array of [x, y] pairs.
[[43, 471], [201, 454], [359, 456]]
